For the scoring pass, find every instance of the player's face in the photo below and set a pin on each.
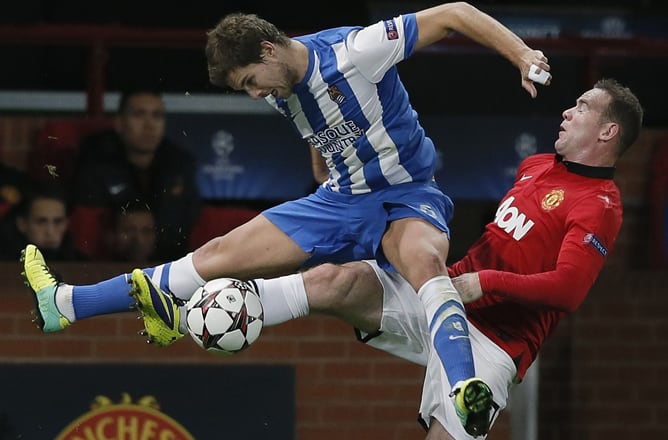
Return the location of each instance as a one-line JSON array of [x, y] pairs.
[[581, 126], [45, 224], [135, 236], [259, 80], [142, 124]]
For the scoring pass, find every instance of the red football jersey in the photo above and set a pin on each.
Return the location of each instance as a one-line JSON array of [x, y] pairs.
[[542, 253]]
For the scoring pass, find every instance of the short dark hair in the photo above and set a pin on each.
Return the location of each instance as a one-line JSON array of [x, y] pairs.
[[236, 42], [38, 191], [131, 206], [134, 90], [624, 109]]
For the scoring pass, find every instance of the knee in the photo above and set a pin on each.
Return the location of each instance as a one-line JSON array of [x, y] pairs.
[[331, 285], [210, 249], [326, 285], [423, 266]]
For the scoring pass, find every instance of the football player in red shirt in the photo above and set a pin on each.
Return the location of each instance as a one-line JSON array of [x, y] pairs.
[[534, 263]]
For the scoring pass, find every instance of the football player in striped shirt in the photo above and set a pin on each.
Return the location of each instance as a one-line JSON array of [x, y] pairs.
[[341, 90]]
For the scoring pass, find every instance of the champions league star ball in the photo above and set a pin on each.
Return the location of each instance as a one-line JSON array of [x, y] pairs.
[[225, 316]]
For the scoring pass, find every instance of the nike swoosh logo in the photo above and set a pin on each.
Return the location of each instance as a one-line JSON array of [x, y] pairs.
[[525, 177], [453, 337]]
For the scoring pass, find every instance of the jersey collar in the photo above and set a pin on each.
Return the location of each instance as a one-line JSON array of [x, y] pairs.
[[586, 170]]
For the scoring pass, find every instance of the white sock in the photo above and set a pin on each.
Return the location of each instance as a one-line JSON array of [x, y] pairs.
[[283, 298], [64, 302], [435, 292], [183, 278]]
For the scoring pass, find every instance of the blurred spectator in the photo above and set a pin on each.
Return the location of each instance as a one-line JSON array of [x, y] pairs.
[[41, 218], [135, 161], [12, 187], [133, 235]]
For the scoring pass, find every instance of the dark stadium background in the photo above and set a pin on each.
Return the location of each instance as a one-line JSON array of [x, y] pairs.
[[58, 68]]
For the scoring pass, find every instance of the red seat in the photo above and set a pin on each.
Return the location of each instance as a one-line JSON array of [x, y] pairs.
[[89, 227], [4, 208], [57, 145], [215, 221]]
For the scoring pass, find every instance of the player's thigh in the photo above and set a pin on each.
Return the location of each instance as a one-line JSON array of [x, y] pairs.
[[255, 249], [416, 248]]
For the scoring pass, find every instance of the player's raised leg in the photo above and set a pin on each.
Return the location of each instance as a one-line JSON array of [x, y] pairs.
[[417, 249], [256, 248], [59, 304]]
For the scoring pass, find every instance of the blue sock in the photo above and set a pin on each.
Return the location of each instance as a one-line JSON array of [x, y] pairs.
[[113, 295], [452, 342], [109, 296], [448, 328]]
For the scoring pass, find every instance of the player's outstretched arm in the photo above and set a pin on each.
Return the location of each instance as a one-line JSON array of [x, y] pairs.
[[436, 23]]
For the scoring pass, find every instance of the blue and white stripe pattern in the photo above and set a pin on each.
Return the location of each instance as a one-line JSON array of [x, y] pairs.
[[352, 107]]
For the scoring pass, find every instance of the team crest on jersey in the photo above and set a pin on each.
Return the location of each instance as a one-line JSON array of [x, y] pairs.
[[335, 94], [596, 243], [552, 199], [391, 30]]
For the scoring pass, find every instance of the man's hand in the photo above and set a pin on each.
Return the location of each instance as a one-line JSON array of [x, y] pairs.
[[533, 58], [468, 286]]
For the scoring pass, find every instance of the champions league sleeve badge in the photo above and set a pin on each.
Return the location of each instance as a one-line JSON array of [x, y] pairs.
[[391, 29], [596, 243]]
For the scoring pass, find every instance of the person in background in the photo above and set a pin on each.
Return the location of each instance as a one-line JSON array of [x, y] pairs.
[[135, 161], [41, 218], [133, 235]]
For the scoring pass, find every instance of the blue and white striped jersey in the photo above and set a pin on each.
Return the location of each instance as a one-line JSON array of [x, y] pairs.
[[352, 107]]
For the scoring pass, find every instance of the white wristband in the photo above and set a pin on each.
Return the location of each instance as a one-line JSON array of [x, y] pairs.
[[541, 77]]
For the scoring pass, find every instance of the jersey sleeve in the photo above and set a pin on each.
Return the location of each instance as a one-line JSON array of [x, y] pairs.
[[377, 47], [593, 227]]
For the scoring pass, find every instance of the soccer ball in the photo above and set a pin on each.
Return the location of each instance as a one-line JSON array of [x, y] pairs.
[[225, 316]]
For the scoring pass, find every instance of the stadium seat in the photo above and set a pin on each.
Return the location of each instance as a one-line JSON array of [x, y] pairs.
[[89, 227], [4, 208], [218, 220], [54, 153]]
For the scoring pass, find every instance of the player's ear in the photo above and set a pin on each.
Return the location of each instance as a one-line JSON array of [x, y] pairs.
[[609, 130], [267, 49]]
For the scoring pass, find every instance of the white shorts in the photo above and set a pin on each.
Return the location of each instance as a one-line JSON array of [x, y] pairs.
[[405, 333]]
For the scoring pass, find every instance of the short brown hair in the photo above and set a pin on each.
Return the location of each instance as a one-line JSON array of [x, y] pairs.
[[623, 109], [236, 42]]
